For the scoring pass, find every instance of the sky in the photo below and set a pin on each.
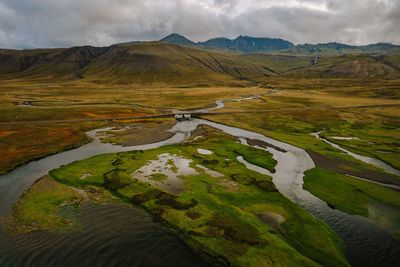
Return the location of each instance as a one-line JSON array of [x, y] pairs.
[[64, 23]]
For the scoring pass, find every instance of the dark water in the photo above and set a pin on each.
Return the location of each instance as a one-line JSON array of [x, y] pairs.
[[110, 235], [366, 244]]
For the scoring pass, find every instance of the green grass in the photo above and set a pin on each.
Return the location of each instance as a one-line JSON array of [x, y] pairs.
[[346, 193], [258, 157], [159, 177], [47, 205], [280, 63], [226, 225], [294, 127], [374, 142]]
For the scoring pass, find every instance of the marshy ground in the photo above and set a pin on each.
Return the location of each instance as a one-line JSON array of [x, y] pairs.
[[264, 226], [237, 217]]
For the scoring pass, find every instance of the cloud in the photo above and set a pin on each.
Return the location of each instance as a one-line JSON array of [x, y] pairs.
[[62, 23]]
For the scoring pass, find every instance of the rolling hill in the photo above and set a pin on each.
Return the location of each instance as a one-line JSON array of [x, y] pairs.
[[350, 66], [150, 62], [47, 62], [362, 66]]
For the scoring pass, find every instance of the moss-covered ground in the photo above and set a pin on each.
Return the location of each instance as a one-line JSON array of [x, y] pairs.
[[52, 206], [46, 205], [354, 196], [347, 193]]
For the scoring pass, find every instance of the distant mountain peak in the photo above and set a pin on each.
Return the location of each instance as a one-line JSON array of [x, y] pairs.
[[247, 44], [175, 35], [176, 38], [242, 44]]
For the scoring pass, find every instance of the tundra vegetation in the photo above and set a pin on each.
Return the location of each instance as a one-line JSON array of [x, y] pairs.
[[238, 218]]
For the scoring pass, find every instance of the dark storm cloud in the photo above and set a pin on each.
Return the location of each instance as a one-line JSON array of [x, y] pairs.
[[56, 23]]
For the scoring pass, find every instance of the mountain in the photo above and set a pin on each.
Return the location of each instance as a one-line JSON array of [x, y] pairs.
[[247, 44], [381, 48], [188, 65], [138, 62], [251, 45], [342, 49], [177, 39], [242, 44], [57, 62], [217, 43]]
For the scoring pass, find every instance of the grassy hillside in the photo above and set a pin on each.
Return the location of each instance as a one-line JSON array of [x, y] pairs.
[[160, 62], [280, 63], [151, 62], [183, 66], [344, 66], [350, 66], [47, 63]]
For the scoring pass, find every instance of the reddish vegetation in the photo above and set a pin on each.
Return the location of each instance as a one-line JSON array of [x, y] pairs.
[[20, 144]]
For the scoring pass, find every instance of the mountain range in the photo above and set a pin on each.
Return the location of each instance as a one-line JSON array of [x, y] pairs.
[[248, 44], [244, 44], [177, 61], [137, 62]]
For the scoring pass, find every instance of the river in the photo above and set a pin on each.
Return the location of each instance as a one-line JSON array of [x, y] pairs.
[[365, 243]]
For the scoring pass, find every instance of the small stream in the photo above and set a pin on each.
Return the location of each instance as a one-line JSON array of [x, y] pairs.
[[372, 161], [366, 244]]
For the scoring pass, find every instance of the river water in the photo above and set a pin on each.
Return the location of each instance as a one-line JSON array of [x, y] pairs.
[[366, 244], [375, 162], [110, 235]]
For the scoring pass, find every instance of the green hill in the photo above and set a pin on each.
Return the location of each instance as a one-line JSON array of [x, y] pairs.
[[280, 63], [41, 63], [350, 66], [160, 62], [359, 66], [150, 62]]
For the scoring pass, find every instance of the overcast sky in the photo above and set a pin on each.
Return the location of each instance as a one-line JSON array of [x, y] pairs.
[[63, 23]]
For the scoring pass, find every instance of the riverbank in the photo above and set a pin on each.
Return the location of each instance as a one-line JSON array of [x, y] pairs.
[[61, 138], [44, 155], [22, 144], [140, 133], [334, 188]]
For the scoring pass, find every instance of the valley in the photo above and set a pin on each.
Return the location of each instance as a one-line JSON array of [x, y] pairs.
[[90, 132]]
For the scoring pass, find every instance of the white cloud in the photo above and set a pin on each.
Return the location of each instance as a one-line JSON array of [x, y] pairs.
[[52, 23]]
